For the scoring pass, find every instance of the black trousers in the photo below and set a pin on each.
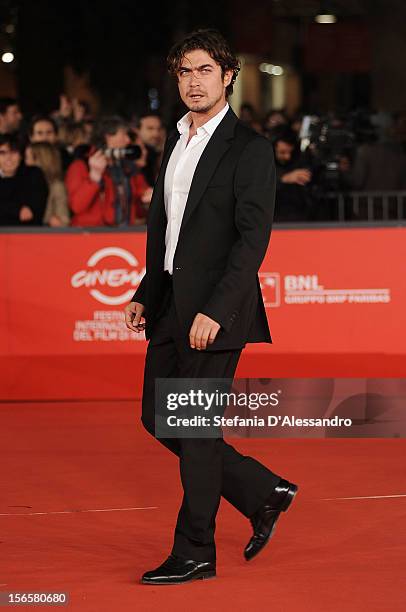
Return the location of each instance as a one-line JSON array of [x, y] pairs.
[[209, 468]]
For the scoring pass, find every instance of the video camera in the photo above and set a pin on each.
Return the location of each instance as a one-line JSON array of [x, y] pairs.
[[328, 139], [331, 137]]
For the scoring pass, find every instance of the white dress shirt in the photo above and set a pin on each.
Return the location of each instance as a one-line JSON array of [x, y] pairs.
[[179, 174]]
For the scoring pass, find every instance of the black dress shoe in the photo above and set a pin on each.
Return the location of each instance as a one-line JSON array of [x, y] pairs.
[[176, 571], [264, 519]]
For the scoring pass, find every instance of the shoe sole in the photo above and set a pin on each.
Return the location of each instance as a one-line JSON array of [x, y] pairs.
[[204, 576], [290, 496]]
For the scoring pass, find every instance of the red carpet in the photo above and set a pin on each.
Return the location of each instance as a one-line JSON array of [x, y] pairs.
[[327, 555]]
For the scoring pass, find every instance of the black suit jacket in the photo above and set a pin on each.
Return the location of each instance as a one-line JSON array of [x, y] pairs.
[[223, 237]]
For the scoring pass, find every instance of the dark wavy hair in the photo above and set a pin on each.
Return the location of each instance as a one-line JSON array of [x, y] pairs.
[[13, 141], [110, 125], [37, 119], [214, 44]]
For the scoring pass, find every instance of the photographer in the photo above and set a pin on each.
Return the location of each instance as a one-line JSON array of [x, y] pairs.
[[293, 176], [105, 187]]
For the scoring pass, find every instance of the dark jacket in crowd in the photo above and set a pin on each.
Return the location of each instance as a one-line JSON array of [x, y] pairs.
[[292, 200], [378, 167], [150, 171], [28, 187]]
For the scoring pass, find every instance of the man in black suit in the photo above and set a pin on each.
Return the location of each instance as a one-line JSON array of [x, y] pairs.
[[209, 226]]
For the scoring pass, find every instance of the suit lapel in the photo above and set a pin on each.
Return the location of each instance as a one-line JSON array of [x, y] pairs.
[[218, 144]]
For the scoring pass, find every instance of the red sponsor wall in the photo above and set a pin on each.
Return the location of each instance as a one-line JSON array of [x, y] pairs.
[[335, 300]]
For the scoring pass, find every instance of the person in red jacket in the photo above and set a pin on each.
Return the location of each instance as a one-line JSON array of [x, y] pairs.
[[105, 190]]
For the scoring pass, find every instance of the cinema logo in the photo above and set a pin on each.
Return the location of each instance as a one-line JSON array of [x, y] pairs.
[[105, 280]]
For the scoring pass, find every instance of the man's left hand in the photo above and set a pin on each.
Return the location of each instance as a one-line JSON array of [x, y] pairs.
[[203, 331]]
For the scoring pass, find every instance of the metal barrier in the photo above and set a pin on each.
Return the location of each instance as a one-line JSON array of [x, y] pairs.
[[366, 205], [330, 208]]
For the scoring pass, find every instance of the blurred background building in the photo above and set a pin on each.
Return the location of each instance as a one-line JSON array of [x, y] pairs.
[[112, 54]]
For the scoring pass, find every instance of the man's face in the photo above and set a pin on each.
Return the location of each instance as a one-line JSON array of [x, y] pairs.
[[283, 152], [9, 160], [119, 140], [43, 131], [150, 131], [12, 118], [201, 84]]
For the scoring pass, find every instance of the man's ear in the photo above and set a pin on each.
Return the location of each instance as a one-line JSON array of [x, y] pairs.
[[227, 78]]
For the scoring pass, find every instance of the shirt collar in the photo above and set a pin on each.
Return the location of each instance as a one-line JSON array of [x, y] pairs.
[[208, 127]]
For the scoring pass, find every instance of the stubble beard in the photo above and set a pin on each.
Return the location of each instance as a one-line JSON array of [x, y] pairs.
[[206, 108]]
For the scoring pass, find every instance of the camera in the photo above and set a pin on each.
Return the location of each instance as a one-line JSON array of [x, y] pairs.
[[131, 152], [332, 137]]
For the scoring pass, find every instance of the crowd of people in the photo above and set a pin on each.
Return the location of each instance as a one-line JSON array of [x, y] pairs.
[[67, 169], [318, 157]]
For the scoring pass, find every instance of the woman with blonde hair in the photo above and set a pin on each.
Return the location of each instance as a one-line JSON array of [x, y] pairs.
[[47, 157]]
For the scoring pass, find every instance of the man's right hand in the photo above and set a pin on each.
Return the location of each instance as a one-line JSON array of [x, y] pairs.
[[133, 315], [97, 165], [301, 176]]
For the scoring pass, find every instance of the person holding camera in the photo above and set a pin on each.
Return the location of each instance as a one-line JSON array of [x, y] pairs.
[[105, 186]]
